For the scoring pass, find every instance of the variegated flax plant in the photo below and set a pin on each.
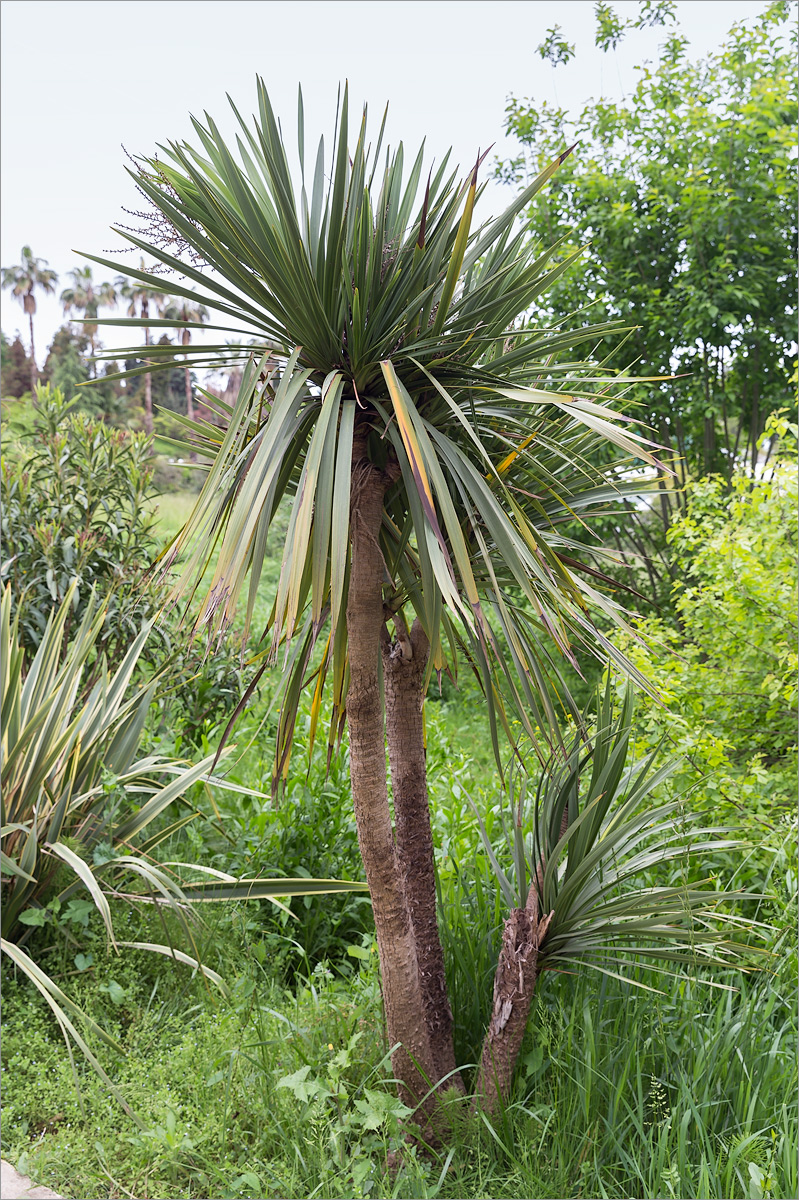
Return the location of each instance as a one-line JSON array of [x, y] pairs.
[[434, 444]]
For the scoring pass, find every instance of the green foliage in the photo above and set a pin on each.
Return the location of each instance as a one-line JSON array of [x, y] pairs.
[[67, 369], [727, 671], [554, 48], [75, 517], [687, 194], [202, 689], [168, 387], [308, 830], [66, 768], [681, 1096], [610, 28], [77, 509]]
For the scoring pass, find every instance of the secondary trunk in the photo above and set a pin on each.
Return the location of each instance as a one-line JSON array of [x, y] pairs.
[[514, 984], [404, 669], [412, 1059]]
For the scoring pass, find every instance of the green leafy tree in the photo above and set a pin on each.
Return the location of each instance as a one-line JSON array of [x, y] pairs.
[[727, 674], [68, 370], [66, 366], [16, 369], [167, 386], [430, 454], [75, 519], [86, 296], [687, 193], [31, 276]]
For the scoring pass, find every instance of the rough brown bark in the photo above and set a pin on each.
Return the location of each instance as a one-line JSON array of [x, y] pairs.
[[514, 984], [413, 1061], [404, 668]]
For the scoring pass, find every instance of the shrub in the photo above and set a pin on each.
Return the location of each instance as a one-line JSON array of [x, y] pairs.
[[75, 518], [77, 515], [727, 671]]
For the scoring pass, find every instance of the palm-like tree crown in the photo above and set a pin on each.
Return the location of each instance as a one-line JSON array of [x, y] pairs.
[[392, 319], [86, 296], [187, 313], [140, 295], [32, 275]]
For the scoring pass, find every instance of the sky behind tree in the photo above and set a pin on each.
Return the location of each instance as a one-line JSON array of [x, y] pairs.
[[130, 73]]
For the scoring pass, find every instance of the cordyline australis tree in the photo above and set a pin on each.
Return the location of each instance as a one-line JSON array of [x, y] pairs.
[[431, 455]]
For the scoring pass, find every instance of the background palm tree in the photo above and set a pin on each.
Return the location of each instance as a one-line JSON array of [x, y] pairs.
[[188, 313], [434, 456], [33, 274], [140, 295], [87, 297]]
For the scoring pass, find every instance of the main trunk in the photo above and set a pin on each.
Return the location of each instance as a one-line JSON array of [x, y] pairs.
[[404, 670], [412, 1060], [401, 873]]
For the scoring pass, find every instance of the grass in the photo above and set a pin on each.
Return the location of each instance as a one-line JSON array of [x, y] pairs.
[[173, 510], [287, 1093]]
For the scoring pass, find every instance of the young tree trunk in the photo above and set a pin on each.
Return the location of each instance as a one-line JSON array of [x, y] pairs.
[[34, 372], [189, 398], [413, 1060], [148, 403], [514, 984], [148, 381], [404, 669], [189, 406]]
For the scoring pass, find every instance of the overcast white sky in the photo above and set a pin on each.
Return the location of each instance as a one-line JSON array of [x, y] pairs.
[[81, 78]]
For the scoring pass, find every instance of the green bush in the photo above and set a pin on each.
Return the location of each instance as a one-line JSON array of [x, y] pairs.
[[75, 516], [78, 513], [308, 829], [726, 671]]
